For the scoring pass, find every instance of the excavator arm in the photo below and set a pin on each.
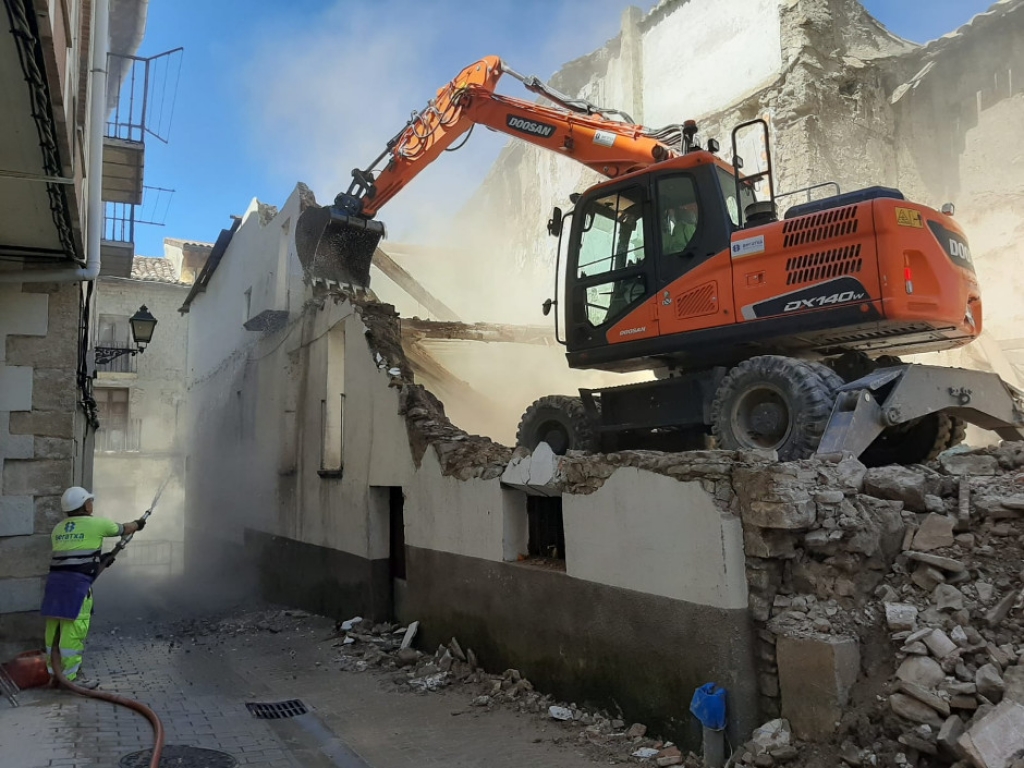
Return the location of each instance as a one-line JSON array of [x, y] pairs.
[[575, 129], [337, 243]]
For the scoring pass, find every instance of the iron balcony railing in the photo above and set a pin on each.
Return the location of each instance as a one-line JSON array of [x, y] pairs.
[[126, 363]]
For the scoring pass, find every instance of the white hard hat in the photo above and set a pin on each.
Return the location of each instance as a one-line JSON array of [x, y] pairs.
[[74, 498]]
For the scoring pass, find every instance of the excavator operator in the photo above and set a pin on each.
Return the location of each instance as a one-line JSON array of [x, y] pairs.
[[678, 216]]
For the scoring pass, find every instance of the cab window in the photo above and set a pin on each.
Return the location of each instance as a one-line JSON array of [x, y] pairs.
[[678, 213], [747, 196], [613, 233], [613, 243]]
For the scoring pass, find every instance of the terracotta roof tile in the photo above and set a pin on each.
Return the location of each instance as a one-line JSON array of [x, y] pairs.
[[158, 270]]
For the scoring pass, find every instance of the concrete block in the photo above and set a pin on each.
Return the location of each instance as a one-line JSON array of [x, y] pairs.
[[21, 594], [53, 448], [13, 446], [794, 515], [21, 314], [816, 674], [537, 473], [53, 389], [17, 516], [44, 424], [24, 556], [996, 739], [47, 513], [38, 477], [15, 388], [767, 543]]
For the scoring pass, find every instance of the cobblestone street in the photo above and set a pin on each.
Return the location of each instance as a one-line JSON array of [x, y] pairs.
[[199, 686]]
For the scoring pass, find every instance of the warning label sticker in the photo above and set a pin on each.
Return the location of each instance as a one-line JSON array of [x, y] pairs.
[[604, 138], [908, 217]]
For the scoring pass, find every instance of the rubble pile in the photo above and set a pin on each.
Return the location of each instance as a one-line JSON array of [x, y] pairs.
[[364, 646], [461, 455], [905, 585]]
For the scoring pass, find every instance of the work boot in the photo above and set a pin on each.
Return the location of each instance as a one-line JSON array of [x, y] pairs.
[[88, 683]]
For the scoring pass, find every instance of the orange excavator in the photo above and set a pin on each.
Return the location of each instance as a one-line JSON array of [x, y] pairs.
[[763, 333]]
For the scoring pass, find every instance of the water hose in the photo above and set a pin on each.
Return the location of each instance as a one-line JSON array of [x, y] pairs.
[[158, 728]]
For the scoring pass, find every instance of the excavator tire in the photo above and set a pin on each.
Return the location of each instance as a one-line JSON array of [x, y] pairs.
[[773, 402], [916, 441], [560, 421]]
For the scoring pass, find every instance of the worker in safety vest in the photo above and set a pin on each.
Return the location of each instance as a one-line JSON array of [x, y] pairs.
[[77, 561]]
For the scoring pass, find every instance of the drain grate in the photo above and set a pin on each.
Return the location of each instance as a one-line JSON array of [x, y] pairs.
[[276, 710], [180, 757]]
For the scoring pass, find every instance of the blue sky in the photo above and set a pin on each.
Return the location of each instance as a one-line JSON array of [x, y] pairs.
[[272, 93]]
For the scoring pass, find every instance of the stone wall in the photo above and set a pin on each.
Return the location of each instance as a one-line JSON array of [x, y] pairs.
[[42, 445]]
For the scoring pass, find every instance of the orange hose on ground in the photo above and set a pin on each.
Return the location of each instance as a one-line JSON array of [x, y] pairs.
[[158, 728]]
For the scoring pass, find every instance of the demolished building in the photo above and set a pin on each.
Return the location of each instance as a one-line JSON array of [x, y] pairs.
[[320, 449]]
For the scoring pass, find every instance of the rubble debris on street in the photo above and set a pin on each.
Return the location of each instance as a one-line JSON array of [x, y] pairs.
[[367, 646]]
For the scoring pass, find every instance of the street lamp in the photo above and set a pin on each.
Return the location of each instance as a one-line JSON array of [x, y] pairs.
[[143, 324]]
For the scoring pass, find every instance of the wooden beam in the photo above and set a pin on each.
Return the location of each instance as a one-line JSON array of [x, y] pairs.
[[410, 285], [416, 329]]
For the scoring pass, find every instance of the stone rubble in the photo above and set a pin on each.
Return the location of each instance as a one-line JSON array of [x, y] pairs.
[[921, 567], [363, 646]]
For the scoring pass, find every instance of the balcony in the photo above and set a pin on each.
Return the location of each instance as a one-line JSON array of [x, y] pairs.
[[125, 437], [126, 363]]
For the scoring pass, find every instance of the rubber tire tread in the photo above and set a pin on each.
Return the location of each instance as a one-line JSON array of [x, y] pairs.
[[565, 409], [809, 396]]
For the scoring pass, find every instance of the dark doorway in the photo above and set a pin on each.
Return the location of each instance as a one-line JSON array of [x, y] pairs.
[[396, 528], [547, 532]]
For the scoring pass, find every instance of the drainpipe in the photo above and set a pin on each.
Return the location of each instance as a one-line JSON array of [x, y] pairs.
[[94, 192]]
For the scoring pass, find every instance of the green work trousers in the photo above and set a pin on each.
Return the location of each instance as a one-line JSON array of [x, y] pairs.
[[72, 639]]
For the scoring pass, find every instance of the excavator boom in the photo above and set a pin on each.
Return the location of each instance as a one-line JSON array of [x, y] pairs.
[[337, 243]]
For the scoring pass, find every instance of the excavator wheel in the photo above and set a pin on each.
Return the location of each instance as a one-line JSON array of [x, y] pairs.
[[916, 441], [773, 402], [560, 421]]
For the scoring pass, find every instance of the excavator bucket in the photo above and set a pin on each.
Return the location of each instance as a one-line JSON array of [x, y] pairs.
[[336, 246]]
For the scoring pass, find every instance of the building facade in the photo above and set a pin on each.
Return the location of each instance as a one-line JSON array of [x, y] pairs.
[[53, 141], [140, 404]]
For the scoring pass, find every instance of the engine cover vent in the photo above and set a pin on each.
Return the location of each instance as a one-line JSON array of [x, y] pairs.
[[702, 300], [823, 265], [836, 222]]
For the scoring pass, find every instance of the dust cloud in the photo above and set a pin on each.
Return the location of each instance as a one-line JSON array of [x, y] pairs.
[[326, 99]]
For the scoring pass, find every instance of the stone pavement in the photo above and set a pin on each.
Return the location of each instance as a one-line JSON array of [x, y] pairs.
[[199, 686]]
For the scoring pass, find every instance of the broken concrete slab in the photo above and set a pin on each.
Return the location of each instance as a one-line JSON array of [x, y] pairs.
[[816, 674], [1001, 610], [990, 683], [997, 738], [1013, 678], [968, 464], [949, 734], [921, 670], [939, 644], [935, 532], [911, 709], [933, 700], [410, 634], [948, 598], [900, 617], [536, 473], [898, 484], [947, 564]]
